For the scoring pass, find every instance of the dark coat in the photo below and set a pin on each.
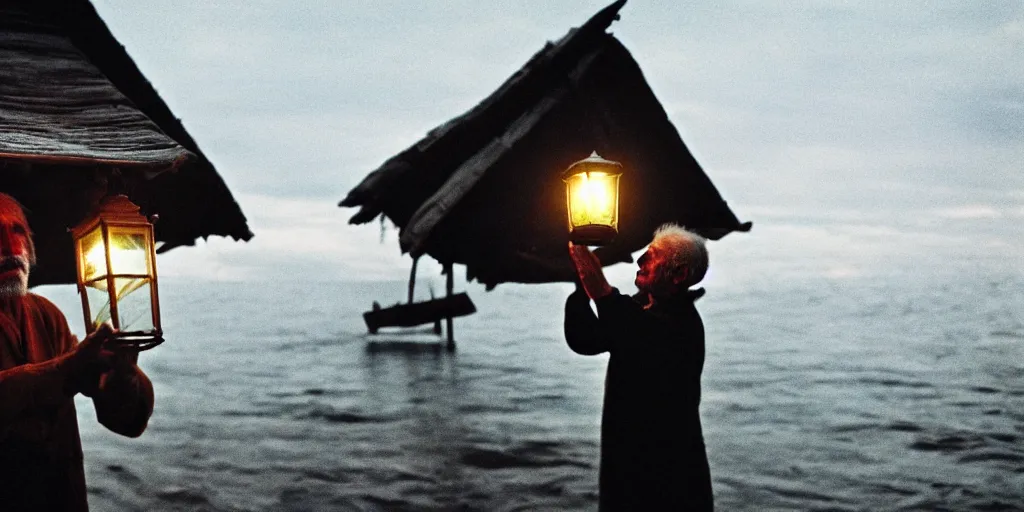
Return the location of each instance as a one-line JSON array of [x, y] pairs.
[[652, 445], [40, 449]]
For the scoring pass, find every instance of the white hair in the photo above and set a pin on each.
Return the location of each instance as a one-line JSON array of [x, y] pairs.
[[683, 248]]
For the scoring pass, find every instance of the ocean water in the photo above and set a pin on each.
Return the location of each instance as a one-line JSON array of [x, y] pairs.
[[853, 363]]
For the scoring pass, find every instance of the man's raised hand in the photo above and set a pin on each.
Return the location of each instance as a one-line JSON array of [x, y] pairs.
[[588, 268]]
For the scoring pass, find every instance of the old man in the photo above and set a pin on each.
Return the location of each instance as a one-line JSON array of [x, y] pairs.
[[652, 445], [42, 368]]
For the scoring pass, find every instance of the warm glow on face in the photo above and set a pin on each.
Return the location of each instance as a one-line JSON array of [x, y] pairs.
[[592, 199]]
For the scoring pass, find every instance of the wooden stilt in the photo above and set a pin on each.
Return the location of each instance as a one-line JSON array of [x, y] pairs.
[[412, 278], [450, 285]]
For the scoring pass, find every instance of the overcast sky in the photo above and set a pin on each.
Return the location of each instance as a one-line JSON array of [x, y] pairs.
[[797, 110]]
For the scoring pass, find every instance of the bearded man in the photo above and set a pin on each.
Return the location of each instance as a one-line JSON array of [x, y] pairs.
[[42, 368], [652, 444]]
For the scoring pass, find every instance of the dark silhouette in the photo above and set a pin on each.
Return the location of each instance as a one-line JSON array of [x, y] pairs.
[[42, 368], [652, 445]]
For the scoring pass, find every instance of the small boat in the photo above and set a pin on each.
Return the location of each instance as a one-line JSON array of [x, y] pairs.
[[419, 313]]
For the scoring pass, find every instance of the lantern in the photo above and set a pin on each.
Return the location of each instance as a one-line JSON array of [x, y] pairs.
[[116, 263], [592, 200]]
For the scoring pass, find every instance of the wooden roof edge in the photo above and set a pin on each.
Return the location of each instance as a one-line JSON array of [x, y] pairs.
[[384, 174], [551, 52], [369, 192], [715, 233], [364, 215], [677, 138], [550, 55], [90, 34], [167, 245], [432, 211], [149, 168]]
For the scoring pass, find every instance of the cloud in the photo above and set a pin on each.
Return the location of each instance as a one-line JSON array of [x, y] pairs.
[[296, 239], [976, 211], [843, 272]]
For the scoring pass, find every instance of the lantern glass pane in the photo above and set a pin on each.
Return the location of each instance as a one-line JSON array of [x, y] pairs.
[[93, 255], [134, 304], [593, 199], [129, 251], [99, 302]]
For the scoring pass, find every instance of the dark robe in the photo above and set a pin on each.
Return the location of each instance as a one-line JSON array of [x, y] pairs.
[[652, 446], [40, 449]]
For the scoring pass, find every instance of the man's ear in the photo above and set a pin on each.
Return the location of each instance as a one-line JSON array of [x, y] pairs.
[[681, 276]]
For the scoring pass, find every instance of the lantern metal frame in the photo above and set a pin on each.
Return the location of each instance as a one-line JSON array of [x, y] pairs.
[[117, 211], [592, 234]]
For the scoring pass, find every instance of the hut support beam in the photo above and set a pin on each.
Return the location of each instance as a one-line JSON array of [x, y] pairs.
[[449, 286], [412, 278]]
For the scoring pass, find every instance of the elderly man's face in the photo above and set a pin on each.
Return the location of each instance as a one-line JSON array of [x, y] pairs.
[[651, 269], [655, 275], [14, 252]]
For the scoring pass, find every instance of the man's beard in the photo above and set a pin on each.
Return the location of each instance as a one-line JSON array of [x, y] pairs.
[[17, 285]]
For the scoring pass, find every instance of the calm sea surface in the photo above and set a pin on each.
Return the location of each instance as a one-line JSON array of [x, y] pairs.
[[851, 364]]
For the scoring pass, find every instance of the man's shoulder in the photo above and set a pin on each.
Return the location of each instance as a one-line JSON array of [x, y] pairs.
[[49, 318], [42, 304]]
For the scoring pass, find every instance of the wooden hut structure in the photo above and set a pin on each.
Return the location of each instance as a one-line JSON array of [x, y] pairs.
[[484, 189], [76, 116]]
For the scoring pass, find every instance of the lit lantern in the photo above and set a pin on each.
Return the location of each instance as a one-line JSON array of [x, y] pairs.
[[116, 262], [592, 199]]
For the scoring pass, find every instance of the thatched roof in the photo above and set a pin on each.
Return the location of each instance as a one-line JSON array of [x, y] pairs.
[[56, 106], [484, 189], [73, 106]]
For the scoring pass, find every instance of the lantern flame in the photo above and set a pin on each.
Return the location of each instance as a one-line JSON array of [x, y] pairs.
[[95, 258], [595, 196], [121, 258], [592, 199]]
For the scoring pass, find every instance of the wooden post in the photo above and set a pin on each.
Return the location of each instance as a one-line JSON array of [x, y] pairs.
[[450, 284], [412, 278]]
